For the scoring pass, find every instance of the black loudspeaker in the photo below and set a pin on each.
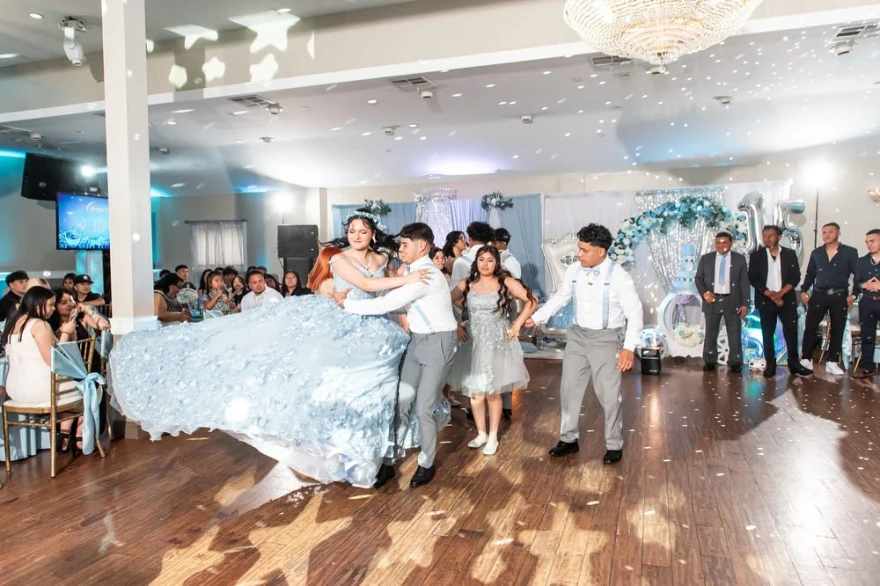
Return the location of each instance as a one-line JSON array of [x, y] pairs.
[[297, 241], [41, 177], [651, 362]]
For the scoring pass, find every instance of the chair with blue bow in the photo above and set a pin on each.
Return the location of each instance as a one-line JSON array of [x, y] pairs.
[[65, 404], [104, 344]]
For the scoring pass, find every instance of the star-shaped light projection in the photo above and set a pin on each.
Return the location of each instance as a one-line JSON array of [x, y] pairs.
[[265, 70], [191, 33], [271, 28], [177, 76], [214, 69]]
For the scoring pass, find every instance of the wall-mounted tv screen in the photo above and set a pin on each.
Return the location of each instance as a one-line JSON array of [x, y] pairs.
[[83, 222]]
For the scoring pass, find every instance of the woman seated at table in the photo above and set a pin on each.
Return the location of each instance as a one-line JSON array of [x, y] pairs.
[[165, 304], [28, 339], [87, 317]]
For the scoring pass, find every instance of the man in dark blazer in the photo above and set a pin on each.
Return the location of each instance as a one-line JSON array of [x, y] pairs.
[[774, 272], [722, 280]]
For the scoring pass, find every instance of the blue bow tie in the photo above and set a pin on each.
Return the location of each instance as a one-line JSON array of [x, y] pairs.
[[591, 272]]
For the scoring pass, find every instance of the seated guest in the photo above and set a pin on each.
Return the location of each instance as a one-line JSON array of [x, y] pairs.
[[67, 283], [239, 289], [204, 286], [229, 273], [260, 294], [84, 295], [183, 272], [292, 286], [165, 304], [272, 282], [85, 317], [263, 270], [16, 281], [28, 339], [164, 272], [218, 300]]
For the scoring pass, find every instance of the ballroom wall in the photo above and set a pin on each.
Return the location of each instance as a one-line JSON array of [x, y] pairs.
[[845, 201]]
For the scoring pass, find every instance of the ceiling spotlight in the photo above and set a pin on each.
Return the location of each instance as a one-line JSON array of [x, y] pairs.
[[389, 130], [87, 171], [413, 125], [239, 112], [178, 185], [426, 95], [844, 48], [723, 100], [36, 15], [266, 138], [9, 55], [372, 101], [165, 150], [284, 10], [527, 119], [72, 47], [274, 109], [658, 70]]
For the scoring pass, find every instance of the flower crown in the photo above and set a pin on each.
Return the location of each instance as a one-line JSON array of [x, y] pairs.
[[372, 217]]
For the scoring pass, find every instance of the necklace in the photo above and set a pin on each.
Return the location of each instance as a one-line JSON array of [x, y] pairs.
[[366, 266]]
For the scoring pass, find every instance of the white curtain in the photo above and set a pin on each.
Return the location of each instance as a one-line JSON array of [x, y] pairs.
[[465, 211], [218, 244]]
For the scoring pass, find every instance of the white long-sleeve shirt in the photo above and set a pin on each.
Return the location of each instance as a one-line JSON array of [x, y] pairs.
[[428, 305], [624, 305], [461, 268], [252, 300], [510, 264]]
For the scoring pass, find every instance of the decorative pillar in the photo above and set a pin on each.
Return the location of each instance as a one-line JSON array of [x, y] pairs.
[[433, 208], [128, 164]]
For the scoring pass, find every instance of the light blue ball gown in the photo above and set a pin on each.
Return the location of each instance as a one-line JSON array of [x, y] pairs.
[[302, 380]]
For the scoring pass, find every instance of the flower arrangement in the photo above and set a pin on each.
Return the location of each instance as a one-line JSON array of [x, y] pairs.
[[357, 214], [688, 334], [377, 207], [495, 200], [188, 297], [683, 212]]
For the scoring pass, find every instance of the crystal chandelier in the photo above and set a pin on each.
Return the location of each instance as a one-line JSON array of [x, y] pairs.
[[656, 31]]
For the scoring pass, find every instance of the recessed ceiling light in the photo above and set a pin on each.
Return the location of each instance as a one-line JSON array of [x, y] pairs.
[[372, 101], [490, 85], [186, 111], [176, 185], [240, 113], [398, 138], [239, 141], [36, 15], [335, 128], [367, 134], [283, 10], [547, 72], [171, 123], [413, 125], [515, 156], [423, 138], [9, 55], [544, 108], [456, 95], [502, 103]]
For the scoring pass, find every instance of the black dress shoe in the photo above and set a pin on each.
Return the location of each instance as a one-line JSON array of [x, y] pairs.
[[422, 476], [469, 414], [386, 473], [708, 366], [507, 414], [863, 373], [770, 373], [799, 370], [735, 366], [612, 456], [564, 449]]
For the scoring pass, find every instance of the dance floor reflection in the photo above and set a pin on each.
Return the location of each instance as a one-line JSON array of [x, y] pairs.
[[725, 480]]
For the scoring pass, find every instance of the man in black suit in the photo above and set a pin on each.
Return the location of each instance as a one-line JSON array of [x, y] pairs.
[[774, 272], [723, 281]]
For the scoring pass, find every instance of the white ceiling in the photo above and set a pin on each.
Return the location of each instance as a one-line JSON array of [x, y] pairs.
[[38, 40], [789, 93]]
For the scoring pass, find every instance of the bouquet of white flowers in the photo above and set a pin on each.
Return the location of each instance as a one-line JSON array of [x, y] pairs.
[[495, 200], [188, 297]]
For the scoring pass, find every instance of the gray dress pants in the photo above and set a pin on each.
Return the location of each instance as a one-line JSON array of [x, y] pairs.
[[591, 355]]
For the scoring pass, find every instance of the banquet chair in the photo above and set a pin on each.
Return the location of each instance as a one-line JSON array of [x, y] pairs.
[[857, 345], [63, 405], [824, 337]]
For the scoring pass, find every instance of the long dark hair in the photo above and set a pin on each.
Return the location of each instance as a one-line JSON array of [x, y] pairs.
[[55, 319], [300, 289], [500, 274], [433, 253], [164, 284], [32, 305], [382, 243], [451, 239], [204, 284]]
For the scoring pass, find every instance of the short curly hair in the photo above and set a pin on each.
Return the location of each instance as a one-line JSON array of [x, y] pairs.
[[596, 235]]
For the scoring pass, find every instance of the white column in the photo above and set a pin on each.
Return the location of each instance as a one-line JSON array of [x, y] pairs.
[[128, 164]]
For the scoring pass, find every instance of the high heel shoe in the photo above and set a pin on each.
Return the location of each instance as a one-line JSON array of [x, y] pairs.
[[69, 439]]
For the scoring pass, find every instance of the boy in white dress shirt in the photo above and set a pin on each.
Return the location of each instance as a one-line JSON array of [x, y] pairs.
[[431, 348], [605, 302]]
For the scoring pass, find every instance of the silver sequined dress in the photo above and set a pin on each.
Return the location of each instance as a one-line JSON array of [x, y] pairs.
[[487, 362]]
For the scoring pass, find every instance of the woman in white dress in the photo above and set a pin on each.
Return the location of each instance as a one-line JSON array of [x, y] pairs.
[[28, 339]]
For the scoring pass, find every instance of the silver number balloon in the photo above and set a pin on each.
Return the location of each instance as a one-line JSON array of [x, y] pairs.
[[753, 205], [783, 217]]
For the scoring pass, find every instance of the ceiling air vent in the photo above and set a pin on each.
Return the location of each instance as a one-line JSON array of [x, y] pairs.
[[407, 84], [253, 101], [858, 31], [610, 62]]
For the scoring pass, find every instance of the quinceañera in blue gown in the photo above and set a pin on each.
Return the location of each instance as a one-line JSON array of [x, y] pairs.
[[301, 380]]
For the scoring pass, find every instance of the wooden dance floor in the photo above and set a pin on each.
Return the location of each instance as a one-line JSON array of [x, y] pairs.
[[724, 480]]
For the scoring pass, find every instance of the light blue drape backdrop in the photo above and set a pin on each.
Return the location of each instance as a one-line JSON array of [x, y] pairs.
[[523, 221]]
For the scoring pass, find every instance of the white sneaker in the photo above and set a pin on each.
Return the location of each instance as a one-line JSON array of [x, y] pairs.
[[479, 441], [808, 364], [491, 448], [834, 368]]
